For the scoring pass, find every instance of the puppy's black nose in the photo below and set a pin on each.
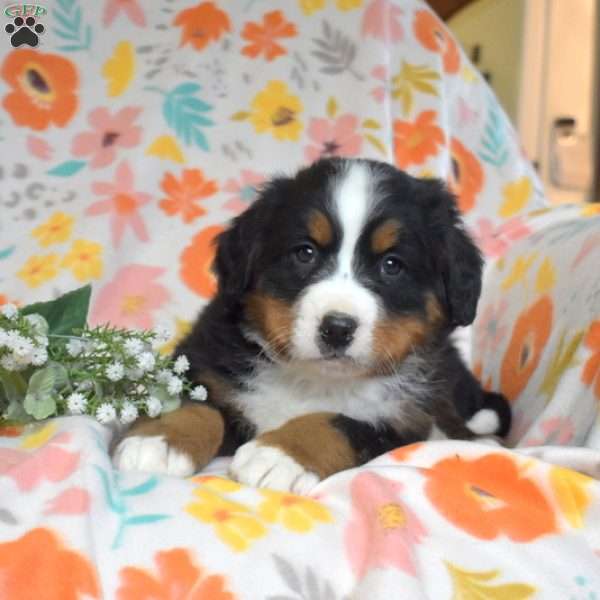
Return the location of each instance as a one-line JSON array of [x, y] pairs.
[[337, 329]]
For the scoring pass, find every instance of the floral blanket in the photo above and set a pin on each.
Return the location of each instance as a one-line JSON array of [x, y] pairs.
[[130, 134], [436, 520]]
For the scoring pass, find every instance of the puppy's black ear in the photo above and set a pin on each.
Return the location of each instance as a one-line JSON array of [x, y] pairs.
[[237, 252], [459, 260]]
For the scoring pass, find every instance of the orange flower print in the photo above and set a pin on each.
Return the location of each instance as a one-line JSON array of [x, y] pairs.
[[591, 369], [185, 192], [528, 340], [488, 497], [202, 25], [466, 180], [62, 574], [415, 142], [263, 37], [432, 34], [43, 89], [196, 262], [178, 578]]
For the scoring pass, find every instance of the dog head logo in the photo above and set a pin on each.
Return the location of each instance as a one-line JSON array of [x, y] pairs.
[[24, 28]]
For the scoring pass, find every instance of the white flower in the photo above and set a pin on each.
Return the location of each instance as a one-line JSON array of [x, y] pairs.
[[182, 364], [76, 403], [75, 347], [115, 371], [199, 393], [164, 376], [22, 347], [106, 413], [39, 357], [98, 345], [41, 341], [153, 407], [129, 413], [9, 311], [38, 323], [133, 347], [174, 386], [85, 385], [146, 361], [9, 363], [134, 374]]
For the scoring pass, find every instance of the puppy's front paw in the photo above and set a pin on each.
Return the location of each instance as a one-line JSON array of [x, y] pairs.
[[151, 454], [269, 467]]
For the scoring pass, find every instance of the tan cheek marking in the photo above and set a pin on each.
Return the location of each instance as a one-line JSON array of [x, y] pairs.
[[385, 236], [393, 339], [314, 443], [319, 228], [434, 311], [192, 429], [273, 318]]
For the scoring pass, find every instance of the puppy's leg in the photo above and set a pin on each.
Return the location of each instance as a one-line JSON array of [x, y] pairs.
[[178, 443], [296, 456]]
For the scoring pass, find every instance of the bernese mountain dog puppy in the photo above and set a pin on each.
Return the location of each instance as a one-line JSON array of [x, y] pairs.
[[328, 341]]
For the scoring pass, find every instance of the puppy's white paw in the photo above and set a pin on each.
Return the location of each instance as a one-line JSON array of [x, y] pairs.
[[269, 467], [153, 455]]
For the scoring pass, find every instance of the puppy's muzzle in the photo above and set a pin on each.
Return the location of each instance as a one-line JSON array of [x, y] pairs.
[[336, 333]]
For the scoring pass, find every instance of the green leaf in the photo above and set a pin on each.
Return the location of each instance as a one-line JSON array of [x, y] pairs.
[[66, 313], [16, 412], [70, 167], [45, 381], [13, 384], [39, 407], [143, 519], [170, 403]]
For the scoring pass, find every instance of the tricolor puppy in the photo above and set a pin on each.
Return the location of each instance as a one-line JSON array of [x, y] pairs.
[[327, 343]]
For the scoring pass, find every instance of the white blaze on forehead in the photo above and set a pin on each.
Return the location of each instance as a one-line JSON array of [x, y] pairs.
[[352, 198], [352, 201]]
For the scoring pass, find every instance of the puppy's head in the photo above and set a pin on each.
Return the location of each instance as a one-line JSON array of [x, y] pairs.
[[349, 267]]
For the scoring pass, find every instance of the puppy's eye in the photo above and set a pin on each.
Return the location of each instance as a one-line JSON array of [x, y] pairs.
[[391, 266], [305, 254]]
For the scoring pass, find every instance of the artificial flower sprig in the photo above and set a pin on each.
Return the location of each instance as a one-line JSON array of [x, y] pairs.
[[110, 373]]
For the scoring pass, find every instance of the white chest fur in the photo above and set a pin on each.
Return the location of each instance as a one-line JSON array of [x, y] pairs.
[[278, 394]]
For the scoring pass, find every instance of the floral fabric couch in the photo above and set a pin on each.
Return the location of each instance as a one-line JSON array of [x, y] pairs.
[[131, 134]]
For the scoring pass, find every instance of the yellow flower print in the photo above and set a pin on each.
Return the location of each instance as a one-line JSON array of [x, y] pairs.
[[85, 260], [56, 230], [39, 269], [546, 277], [311, 6], [348, 4], [590, 210], [519, 270], [118, 70], [572, 494], [516, 196], [167, 148], [275, 110], [218, 484], [234, 523], [38, 437], [296, 513]]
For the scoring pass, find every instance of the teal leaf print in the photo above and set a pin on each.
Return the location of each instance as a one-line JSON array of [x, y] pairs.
[[185, 113], [116, 501], [6, 252], [68, 168], [494, 142], [70, 27]]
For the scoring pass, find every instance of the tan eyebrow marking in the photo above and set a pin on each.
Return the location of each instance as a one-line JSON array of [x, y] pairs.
[[319, 228], [385, 236]]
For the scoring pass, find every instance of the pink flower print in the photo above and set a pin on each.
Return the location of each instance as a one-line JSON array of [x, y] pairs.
[[382, 530], [109, 132], [131, 8], [495, 241], [490, 331], [72, 501], [556, 431], [122, 203], [383, 91], [131, 298], [39, 147], [244, 189], [50, 462], [333, 137], [381, 20]]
